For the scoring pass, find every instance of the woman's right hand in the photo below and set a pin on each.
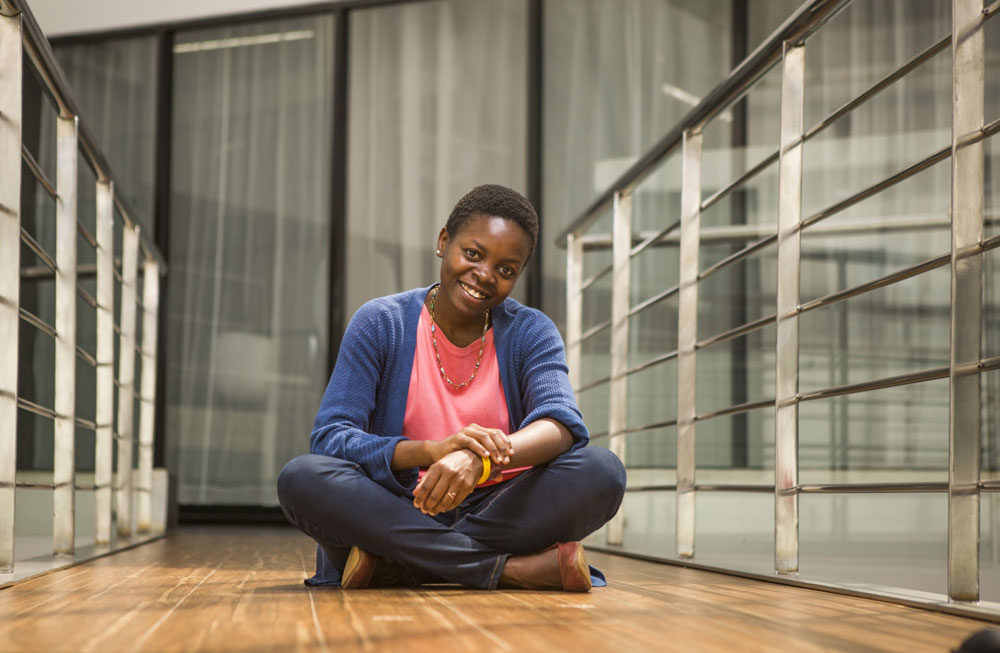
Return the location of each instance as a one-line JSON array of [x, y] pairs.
[[478, 439]]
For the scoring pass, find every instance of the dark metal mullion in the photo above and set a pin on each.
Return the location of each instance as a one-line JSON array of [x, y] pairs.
[[338, 181], [164, 140], [739, 369], [535, 154]]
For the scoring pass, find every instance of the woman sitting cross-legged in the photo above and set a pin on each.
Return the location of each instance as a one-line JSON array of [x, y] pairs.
[[449, 446]]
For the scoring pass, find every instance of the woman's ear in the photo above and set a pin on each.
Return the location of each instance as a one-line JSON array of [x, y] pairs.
[[442, 242]]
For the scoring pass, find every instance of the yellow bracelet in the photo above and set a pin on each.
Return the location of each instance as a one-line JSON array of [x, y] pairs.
[[486, 470]]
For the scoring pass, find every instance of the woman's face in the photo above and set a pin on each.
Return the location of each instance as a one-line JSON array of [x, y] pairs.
[[481, 263]]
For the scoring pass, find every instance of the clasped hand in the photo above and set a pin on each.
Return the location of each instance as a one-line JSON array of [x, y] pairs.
[[458, 465]]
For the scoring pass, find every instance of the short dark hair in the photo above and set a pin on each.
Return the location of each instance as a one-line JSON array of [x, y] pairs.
[[499, 201]]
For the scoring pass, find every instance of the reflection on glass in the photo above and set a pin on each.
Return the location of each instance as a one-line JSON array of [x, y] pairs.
[[649, 523], [250, 219], [737, 371], [991, 303], [594, 404], [595, 358], [737, 294], [895, 540], [115, 84], [741, 137], [427, 125], [652, 395], [989, 547], [735, 530], [651, 457], [621, 74], [737, 442], [895, 434], [653, 332], [894, 330], [991, 200]]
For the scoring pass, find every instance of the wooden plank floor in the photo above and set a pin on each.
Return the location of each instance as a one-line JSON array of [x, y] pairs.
[[240, 589]]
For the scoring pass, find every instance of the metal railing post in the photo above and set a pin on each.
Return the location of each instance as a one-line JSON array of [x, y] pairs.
[[786, 384], [64, 464], [10, 272], [620, 301], [105, 391], [574, 306], [687, 339], [967, 170], [126, 378], [147, 392]]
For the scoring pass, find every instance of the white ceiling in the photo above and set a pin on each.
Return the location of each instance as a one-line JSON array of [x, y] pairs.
[[61, 17]]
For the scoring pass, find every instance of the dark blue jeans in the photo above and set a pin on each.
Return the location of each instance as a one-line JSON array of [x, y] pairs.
[[335, 503]]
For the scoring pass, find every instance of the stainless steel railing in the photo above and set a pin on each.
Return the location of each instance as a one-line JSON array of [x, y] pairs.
[[122, 265], [786, 48]]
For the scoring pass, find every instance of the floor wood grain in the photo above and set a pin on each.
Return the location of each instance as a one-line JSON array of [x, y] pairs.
[[240, 589]]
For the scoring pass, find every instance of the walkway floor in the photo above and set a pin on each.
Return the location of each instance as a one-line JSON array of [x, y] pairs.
[[240, 589]]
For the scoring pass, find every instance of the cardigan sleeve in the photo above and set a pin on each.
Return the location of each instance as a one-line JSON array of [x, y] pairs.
[[344, 418], [544, 378]]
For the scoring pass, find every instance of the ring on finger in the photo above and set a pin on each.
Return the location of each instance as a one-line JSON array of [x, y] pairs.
[[452, 495]]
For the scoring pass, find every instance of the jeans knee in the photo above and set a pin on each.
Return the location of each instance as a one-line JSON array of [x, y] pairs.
[[607, 474], [294, 477]]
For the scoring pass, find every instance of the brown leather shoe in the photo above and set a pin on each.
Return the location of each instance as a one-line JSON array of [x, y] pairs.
[[573, 568], [560, 567], [367, 570]]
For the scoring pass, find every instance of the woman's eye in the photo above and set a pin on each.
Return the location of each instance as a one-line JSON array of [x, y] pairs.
[[506, 270], [471, 253]]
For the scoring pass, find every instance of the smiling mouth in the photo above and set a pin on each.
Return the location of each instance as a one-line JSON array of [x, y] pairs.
[[472, 291]]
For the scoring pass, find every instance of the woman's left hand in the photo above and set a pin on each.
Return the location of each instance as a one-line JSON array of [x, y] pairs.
[[447, 482]]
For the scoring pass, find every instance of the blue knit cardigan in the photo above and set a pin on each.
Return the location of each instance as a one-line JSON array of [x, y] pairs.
[[361, 416]]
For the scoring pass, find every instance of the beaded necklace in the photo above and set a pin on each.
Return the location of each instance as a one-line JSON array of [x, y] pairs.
[[482, 345]]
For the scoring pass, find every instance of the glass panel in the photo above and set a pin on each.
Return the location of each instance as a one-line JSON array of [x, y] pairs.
[[650, 523], [992, 76], [735, 530], [989, 547], [594, 405], [904, 225], [651, 457], [595, 357], [892, 435], [894, 330], [250, 220], [991, 151], [868, 40], [115, 83], [621, 74], [753, 203], [738, 139], [738, 447], [991, 303], [426, 126], [653, 332], [738, 294], [652, 395], [895, 540], [736, 371], [896, 128]]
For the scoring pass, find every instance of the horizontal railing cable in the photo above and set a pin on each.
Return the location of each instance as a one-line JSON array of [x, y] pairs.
[[38, 250], [648, 241], [738, 256], [37, 409], [656, 360], [803, 21], [654, 300], [741, 330], [738, 409], [878, 87], [767, 162], [591, 332], [83, 231], [38, 173], [37, 322], [587, 283], [877, 384], [878, 187]]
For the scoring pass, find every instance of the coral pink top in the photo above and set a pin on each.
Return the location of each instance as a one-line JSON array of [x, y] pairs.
[[436, 410]]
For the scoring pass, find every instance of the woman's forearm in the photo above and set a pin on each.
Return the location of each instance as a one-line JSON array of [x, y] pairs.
[[539, 442], [412, 453]]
